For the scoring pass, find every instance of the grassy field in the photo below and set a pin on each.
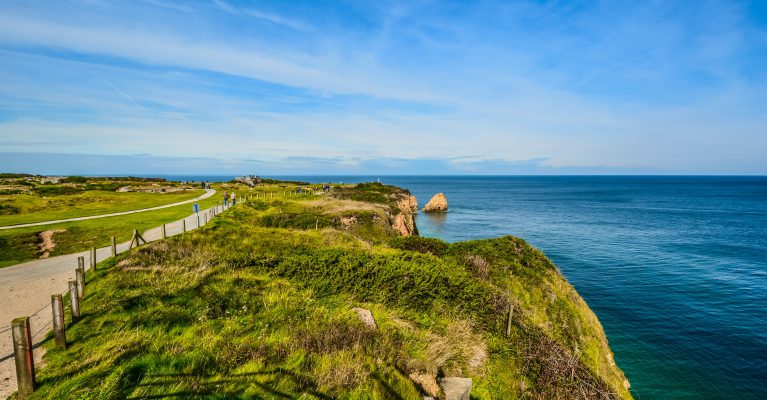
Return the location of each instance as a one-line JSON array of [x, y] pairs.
[[259, 304], [27, 208], [22, 244]]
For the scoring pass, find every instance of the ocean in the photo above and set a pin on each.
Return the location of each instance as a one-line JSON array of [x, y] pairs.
[[675, 267]]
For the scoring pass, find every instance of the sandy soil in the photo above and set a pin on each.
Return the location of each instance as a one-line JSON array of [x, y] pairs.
[[46, 242]]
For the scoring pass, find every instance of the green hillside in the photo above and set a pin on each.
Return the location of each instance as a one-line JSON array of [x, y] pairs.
[[260, 304]]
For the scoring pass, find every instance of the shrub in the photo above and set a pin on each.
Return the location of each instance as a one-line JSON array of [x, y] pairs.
[[74, 179], [372, 192], [8, 209], [107, 186], [299, 220], [419, 244], [56, 190]]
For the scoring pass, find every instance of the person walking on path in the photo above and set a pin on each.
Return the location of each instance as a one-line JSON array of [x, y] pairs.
[[226, 199], [234, 199]]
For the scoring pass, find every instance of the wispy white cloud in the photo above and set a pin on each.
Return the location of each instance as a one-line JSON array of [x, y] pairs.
[[291, 70], [265, 16], [276, 19], [480, 87], [183, 7]]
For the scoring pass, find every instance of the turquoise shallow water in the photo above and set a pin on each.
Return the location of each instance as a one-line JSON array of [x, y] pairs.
[[674, 267]]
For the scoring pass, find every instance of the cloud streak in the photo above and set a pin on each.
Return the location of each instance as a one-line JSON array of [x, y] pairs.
[[617, 86]]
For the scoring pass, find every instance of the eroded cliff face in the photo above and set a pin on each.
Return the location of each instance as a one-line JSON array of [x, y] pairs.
[[404, 221]]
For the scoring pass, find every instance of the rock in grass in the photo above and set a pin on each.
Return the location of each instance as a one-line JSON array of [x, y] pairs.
[[426, 382], [438, 203], [456, 388], [366, 317]]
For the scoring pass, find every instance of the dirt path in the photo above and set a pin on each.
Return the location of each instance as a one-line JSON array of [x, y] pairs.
[[208, 193], [46, 242], [26, 289]]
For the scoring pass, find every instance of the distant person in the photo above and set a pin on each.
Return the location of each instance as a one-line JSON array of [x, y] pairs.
[[226, 199], [203, 184], [234, 199]]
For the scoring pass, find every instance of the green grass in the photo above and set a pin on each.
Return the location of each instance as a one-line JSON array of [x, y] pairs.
[[27, 208], [20, 244], [372, 192], [259, 305]]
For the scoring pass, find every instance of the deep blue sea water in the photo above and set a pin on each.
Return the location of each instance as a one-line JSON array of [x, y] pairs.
[[674, 267]]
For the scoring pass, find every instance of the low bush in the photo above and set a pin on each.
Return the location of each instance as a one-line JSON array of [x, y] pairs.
[[8, 209], [74, 179], [56, 190], [419, 244]]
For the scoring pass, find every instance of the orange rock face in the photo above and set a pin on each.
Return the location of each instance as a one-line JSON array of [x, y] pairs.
[[438, 203]]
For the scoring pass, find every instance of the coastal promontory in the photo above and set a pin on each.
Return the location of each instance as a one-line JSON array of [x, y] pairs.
[[329, 293]]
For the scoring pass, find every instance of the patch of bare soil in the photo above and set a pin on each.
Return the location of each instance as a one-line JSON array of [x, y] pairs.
[[46, 242]]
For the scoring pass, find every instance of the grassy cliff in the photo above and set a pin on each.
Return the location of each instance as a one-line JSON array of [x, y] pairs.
[[259, 304]]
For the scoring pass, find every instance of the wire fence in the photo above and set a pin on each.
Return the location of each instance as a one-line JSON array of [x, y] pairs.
[[65, 294]]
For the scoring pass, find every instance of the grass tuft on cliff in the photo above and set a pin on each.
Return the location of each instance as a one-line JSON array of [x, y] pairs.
[[258, 304]]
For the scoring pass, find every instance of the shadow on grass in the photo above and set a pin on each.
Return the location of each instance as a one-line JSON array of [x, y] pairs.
[[207, 385]]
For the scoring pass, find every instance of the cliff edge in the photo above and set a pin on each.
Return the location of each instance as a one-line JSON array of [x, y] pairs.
[[327, 297]]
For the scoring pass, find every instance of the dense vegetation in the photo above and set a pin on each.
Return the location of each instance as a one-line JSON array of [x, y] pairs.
[[372, 192], [259, 304]]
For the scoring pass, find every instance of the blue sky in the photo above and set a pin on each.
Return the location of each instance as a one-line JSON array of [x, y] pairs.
[[413, 87]]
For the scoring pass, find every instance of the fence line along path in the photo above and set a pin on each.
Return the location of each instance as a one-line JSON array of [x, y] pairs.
[[26, 289], [208, 193]]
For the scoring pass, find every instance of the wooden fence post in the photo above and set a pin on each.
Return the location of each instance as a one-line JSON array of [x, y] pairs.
[[183, 225], [114, 247], [74, 302], [137, 239], [59, 328], [206, 218], [198, 220], [81, 262], [508, 322], [164, 234], [93, 258], [80, 278], [22, 353]]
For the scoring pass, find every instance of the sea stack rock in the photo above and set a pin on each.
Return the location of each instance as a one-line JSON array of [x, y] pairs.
[[438, 203]]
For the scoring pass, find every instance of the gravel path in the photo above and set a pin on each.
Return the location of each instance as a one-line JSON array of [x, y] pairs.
[[208, 193], [26, 289]]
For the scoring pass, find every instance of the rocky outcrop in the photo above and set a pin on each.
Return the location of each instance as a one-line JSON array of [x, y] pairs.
[[250, 180], [427, 383], [404, 221], [456, 388], [366, 317], [438, 203]]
